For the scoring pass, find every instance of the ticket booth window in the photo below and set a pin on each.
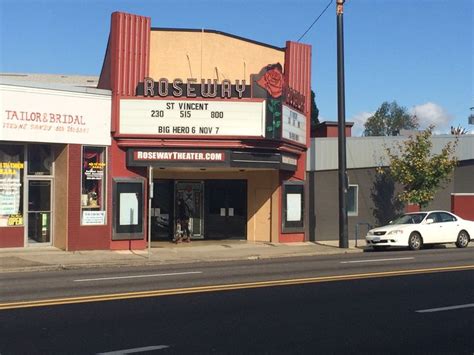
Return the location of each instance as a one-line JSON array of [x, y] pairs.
[[93, 194]]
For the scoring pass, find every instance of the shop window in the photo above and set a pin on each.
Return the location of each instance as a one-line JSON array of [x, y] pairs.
[[40, 159], [11, 185], [293, 207], [93, 195], [353, 200]]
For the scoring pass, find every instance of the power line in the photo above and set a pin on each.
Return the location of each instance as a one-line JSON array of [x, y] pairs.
[[321, 14]]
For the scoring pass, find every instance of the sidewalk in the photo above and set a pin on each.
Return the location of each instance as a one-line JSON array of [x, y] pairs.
[[162, 253]]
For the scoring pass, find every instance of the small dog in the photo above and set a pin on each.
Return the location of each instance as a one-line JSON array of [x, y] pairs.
[[178, 235]]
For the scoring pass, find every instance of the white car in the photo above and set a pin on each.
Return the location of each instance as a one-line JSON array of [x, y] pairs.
[[413, 230]]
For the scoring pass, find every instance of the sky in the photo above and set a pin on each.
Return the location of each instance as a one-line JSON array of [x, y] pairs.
[[418, 53]]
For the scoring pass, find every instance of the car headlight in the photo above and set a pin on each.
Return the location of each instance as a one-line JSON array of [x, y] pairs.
[[395, 232]]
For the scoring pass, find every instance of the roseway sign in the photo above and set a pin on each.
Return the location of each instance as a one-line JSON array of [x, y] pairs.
[[53, 116], [192, 117]]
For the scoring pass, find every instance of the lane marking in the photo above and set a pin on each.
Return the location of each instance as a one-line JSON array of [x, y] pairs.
[[441, 309], [225, 287], [374, 260], [135, 350], [138, 276]]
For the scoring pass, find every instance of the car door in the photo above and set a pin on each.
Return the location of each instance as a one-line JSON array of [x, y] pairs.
[[449, 227], [432, 233]]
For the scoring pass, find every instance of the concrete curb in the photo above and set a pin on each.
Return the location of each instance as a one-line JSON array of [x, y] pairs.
[[170, 256]]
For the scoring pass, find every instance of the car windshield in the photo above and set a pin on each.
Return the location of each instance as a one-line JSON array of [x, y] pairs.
[[412, 218]]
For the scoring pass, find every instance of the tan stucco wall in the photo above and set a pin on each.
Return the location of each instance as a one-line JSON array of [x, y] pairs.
[[201, 55], [256, 180]]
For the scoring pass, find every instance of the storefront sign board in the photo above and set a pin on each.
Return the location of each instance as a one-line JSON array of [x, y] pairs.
[[93, 217], [54, 116]]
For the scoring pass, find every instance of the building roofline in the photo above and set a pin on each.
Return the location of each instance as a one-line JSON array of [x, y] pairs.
[[164, 29], [55, 86]]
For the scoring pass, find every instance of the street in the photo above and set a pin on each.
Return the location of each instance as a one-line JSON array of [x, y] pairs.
[[409, 312]]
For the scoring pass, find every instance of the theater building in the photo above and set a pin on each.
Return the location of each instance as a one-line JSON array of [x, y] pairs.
[[54, 141], [218, 121]]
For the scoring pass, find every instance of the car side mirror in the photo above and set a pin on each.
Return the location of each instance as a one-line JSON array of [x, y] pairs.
[[429, 221]]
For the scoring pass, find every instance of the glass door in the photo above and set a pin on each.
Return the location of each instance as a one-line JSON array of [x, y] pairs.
[[191, 192], [39, 211], [226, 209], [162, 211]]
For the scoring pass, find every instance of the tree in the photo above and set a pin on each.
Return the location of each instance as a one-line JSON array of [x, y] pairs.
[[314, 111], [420, 173], [388, 120]]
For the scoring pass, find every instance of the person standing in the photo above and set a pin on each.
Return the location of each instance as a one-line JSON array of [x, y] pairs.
[[183, 220]]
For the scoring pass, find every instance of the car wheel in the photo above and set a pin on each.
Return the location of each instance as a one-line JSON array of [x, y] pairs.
[[414, 241], [463, 239]]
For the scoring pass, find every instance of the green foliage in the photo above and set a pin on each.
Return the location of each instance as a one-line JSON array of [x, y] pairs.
[[420, 173], [314, 111], [274, 110], [388, 120]]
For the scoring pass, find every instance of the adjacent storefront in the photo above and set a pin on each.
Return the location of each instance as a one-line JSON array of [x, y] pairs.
[[39, 129]]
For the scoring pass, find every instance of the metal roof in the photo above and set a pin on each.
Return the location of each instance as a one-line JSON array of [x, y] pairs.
[[368, 152], [73, 83]]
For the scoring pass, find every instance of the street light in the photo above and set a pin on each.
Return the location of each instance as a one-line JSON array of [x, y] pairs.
[[341, 137]]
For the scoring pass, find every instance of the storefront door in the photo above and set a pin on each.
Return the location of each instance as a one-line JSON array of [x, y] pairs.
[[226, 209], [162, 211], [39, 211], [191, 192]]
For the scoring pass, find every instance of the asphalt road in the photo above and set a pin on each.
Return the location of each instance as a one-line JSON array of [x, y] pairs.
[[397, 315], [28, 286], [377, 302]]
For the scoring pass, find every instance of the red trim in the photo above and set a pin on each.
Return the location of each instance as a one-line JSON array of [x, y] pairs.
[[190, 137], [180, 143], [412, 208], [462, 206], [12, 237], [128, 244], [292, 238], [298, 76]]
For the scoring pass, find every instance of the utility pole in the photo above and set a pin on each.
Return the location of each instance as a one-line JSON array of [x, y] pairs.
[[341, 137]]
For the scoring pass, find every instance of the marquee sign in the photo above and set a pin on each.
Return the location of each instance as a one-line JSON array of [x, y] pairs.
[[192, 118], [216, 115], [294, 125]]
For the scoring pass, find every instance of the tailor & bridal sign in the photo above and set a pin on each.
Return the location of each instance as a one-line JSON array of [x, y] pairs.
[[53, 116]]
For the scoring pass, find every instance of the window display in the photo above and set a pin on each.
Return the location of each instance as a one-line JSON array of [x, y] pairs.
[[93, 185], [11, 185]]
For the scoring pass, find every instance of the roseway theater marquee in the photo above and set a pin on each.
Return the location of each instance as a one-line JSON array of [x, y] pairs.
[[212, 120]]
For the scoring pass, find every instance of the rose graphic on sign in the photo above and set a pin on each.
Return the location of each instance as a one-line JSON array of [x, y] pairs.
[[272, 81], [269, 83]]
